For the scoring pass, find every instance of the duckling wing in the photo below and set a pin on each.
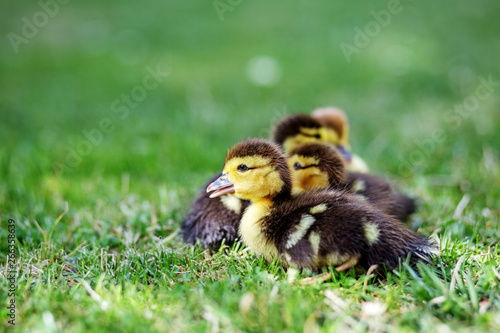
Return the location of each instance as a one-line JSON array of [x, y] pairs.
[[334, 228], [381, 194], [210, 221], [318, 229]]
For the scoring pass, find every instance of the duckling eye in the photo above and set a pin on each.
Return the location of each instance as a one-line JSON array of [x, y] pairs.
[[317, 136], [297, 166], [242, 168]]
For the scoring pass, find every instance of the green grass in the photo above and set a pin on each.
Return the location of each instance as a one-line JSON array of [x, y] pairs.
[[114, 262]]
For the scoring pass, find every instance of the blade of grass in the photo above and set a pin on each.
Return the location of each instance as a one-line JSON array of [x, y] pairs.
[[454, 276]]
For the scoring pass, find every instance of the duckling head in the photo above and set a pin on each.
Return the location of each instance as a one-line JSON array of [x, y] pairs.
[[297, 129], [254, 169], [335, 119], [316, 166]]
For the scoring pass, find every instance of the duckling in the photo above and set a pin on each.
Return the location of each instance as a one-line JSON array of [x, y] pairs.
[[212, 222], [317, 166], [296, 129], [336, 119], [314, 229], [209, 222]]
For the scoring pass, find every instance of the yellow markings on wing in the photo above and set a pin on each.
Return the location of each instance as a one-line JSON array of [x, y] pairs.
[[372, 233], [318, 209], [314, 239], [358, 186], [288, 258], [300, 230], [336, 258]]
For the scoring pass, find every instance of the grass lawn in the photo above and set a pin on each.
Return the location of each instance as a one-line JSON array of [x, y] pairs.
[[113, 114]]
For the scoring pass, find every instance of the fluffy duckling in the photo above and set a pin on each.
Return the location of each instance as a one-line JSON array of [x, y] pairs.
[[316, 166], [313, 229], [297, 129], [209, 222], [336, 119], [212, 222]]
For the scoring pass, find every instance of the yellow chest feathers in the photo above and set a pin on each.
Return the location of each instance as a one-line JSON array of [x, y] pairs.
[[251, 230], [232, 203]]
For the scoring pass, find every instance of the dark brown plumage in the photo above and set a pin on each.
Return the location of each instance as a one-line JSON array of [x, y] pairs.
[[328, 126], [342, 226], [209, 222], [291, 126], [375, 189], [380, 193], [313, 229]]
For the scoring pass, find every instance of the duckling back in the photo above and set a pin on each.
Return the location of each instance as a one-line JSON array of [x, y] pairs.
[[380, 193], [323, 228], [315, 165]]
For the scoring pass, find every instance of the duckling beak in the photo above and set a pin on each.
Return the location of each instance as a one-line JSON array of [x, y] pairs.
[[221, 186], [347, 155]]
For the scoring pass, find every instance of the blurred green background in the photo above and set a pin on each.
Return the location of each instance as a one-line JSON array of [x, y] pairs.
[[233, 70], [83, 123]]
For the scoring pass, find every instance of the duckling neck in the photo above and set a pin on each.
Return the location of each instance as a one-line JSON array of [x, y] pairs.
[[284, 195], [253, 228]]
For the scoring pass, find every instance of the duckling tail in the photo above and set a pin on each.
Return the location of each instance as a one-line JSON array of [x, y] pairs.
[[395, 243], [426, 250]]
